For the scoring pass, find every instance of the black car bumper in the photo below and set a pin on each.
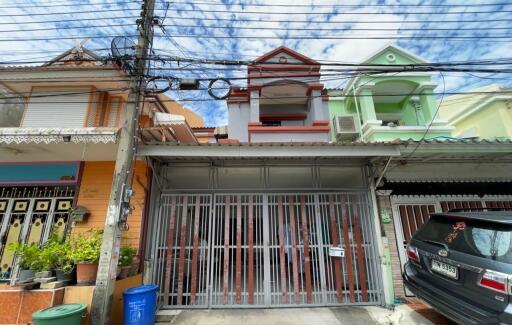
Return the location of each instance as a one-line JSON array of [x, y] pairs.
[[457, 310]]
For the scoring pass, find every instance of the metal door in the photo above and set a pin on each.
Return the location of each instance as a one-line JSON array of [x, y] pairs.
[[30, 215], [267, 250]]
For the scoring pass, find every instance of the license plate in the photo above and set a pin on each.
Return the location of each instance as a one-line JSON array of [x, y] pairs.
[[445, 269]]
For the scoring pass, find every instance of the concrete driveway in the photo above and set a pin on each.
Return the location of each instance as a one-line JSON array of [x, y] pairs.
[[402, 314]]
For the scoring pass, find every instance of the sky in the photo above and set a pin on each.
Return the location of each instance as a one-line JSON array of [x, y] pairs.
[[34, 31]]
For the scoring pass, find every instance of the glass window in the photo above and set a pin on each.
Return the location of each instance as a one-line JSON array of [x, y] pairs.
[[11, 109], [474, 237]]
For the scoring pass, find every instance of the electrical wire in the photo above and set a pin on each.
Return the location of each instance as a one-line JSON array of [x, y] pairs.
[[323, 21], [69, 4], [321, 5], [67, 20]]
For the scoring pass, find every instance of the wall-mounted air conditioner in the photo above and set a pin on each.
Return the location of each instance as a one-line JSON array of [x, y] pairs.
[[347, 127]]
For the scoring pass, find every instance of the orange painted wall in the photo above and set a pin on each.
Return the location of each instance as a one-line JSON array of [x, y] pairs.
[[95, 191]]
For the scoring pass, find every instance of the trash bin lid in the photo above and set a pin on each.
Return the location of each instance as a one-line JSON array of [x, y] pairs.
[[140, 289], [59, 311]]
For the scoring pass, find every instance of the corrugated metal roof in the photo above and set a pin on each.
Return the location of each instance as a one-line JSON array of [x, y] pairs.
[[284, 144], [448, 140]]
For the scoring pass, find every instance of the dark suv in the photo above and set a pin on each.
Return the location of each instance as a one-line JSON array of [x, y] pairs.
[[461, 264]]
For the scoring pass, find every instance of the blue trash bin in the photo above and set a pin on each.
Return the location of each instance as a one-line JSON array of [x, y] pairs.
[[140, 305]]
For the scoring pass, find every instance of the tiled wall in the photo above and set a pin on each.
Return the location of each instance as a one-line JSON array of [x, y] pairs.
[[389, 229], [17, 306]]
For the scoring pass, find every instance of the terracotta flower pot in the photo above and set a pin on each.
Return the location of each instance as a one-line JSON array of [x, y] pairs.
[[86, 273], [125, 271]]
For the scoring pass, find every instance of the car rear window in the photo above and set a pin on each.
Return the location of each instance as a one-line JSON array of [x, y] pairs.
[[484, 239]]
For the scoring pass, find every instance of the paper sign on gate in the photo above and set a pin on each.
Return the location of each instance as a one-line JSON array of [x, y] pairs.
[[336, 251]]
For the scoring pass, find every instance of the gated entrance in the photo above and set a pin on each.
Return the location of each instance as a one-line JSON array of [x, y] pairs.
[[265, 250], [30, 215]]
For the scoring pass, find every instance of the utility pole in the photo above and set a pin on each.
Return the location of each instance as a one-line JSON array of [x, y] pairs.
[[119, 201]]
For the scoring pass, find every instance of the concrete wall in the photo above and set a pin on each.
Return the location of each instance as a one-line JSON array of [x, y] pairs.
[[94, 193], [493, 120], [290, 137], [384, 205], [238, 120]]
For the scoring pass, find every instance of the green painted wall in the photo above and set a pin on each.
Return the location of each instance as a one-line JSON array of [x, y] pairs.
[[405, 112]]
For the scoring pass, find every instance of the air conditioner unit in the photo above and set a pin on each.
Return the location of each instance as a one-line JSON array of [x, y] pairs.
[[167, 119], [347, 127]]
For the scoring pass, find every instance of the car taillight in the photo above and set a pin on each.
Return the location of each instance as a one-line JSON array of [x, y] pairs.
[[412, 253], [496, 281]]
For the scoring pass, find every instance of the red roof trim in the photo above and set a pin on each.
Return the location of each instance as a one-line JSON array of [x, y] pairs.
[[284, 49], [289, 129]]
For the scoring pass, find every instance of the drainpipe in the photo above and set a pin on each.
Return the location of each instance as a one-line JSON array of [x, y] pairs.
[[377, 183], [357, 111], [145, 219]]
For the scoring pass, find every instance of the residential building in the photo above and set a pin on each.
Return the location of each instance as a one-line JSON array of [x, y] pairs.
[[387, 106], [284, 101], [59, 126], [454, 152], [484, 112], [274, 215]]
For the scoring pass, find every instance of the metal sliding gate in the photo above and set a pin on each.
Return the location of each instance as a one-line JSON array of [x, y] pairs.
[[265, 250]]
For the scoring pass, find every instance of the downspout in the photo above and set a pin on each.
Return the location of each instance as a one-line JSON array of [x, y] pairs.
[[357, 110], [377, 183], [145, 218]]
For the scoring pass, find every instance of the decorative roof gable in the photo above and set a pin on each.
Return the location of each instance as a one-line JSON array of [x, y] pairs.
[[285, 55], [393, 54], [75, 56]]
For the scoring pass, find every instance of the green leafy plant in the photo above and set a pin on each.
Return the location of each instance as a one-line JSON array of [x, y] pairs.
[[56, 253], [126, 255], [85, 247], [28, 255]]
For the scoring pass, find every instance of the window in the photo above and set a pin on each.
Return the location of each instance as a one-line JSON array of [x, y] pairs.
[[11, 109], [271, 123], [473, 237]]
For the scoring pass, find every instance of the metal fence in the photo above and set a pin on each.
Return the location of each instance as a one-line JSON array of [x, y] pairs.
[[265, 250], [30, 215]]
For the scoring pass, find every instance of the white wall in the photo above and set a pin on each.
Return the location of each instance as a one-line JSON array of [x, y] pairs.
[[238, 121]]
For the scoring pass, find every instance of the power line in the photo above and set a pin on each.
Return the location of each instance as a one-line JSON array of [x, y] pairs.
[[66, 20], [337, 29], [65, 28], [69, 4], [289, 37], [69, 12], [338, 5], [273, 97], [343, 13], [231, 62], [188, 18]]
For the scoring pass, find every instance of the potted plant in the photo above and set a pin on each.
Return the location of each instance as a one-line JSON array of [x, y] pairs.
[[28, 256], [85, 248], [57, 254], [126, 255]]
